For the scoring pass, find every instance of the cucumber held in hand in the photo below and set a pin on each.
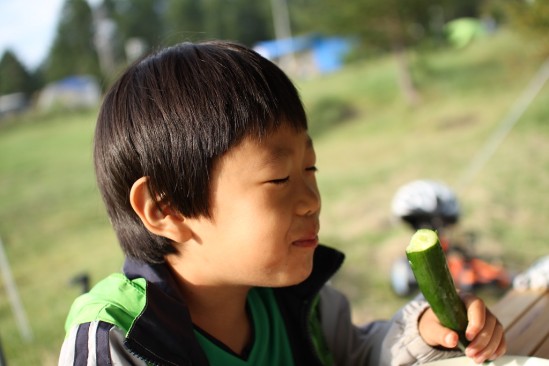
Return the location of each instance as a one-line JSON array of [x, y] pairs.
[[429, 265]]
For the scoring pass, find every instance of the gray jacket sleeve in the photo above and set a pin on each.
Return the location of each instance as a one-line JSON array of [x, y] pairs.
[[95, 344], [395, 342]]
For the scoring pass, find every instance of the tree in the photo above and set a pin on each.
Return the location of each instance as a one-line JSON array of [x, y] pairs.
[[73, 51], [531, 18], [184, 20], [243, 21], [110, 49], [15, 78], [253, 21], [383, 25], [140, 19]]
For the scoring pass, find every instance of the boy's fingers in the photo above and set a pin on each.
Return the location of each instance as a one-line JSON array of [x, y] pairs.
[[483, 330], [501, 349], [489, 344], [476, 315], [434, 333], [483, 338], [450, 339]]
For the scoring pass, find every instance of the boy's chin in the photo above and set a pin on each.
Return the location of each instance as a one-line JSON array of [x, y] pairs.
[[294, 279]]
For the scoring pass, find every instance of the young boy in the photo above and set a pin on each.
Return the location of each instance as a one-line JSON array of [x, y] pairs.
[[208, 175]]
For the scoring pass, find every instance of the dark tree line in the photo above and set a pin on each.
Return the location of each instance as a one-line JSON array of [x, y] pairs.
[[103, 40], [14, 76]]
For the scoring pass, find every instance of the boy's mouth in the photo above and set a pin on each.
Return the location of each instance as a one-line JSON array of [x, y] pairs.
[[311, 242]]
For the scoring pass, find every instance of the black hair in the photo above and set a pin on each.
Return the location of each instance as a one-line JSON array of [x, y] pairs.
[[170, 116]]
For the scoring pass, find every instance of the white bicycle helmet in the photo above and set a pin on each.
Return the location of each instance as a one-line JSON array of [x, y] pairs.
[[426, 203]]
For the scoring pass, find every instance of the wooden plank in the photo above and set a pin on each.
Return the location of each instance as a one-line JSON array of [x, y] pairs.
[[515, 303], [543, 350], [526, 334]]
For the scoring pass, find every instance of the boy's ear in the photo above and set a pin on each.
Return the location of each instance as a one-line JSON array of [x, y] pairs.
[[159, 220]]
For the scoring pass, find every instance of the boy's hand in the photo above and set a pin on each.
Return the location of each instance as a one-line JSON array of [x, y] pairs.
[[484, 331]]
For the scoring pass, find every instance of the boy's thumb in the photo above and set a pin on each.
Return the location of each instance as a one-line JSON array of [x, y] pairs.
[[450, 339], [434, 333]]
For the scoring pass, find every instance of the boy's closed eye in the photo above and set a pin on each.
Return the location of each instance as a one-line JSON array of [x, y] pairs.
[[312, 169], [280, 181]]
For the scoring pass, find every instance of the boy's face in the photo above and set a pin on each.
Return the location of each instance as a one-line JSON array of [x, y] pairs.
[[265, 209]]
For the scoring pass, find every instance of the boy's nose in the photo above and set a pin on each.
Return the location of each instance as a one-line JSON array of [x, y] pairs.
[[309, 202]]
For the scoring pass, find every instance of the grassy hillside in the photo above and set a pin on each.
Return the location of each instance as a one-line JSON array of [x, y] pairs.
[[466, 94], [368, 142]]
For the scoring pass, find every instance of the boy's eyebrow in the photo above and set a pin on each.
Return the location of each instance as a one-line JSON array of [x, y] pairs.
[[309, 142], [280, 153]]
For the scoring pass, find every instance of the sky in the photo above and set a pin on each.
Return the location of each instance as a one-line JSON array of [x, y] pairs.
[[28, 27]]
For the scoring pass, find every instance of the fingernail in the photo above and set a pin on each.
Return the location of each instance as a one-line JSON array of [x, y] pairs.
[[480, 360], [469, 352], [450, 340]]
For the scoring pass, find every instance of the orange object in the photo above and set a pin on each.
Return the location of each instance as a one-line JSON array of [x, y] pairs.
[[468, 271]]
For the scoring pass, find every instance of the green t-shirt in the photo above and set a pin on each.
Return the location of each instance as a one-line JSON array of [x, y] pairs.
[[270, 344]]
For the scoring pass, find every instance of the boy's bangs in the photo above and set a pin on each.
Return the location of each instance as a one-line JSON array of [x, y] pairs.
[[254, 97]]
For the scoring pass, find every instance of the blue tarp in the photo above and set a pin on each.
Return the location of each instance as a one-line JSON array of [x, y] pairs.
[[328, 52], [78, 82]]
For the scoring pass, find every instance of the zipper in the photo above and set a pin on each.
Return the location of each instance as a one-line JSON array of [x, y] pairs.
[[316, 349], [144, 359]]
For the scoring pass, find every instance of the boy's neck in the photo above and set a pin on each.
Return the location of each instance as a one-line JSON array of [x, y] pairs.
[[222, 314], [220, 311]]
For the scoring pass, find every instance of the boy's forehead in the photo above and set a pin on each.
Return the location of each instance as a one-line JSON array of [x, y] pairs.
[[275, 147], [284, 147], [285, 141]]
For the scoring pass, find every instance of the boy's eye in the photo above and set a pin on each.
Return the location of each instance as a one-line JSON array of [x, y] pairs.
[[312, 168], [280, 181]]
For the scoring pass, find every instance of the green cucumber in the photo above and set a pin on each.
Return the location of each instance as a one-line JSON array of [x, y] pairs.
[[430, 268]]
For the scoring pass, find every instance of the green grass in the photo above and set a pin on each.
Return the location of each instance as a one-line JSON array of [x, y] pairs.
[[368, 141], [51, 222], [465, 96]]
